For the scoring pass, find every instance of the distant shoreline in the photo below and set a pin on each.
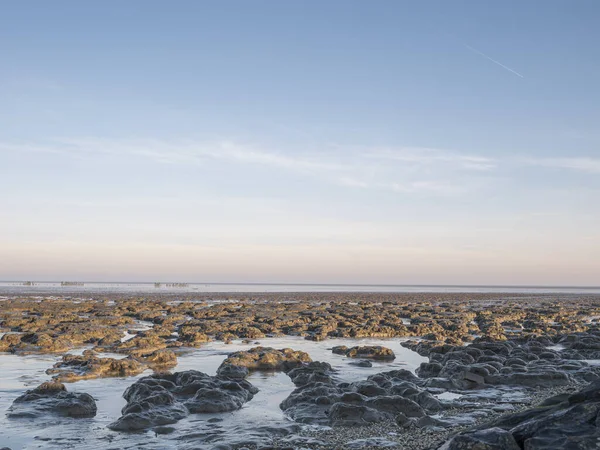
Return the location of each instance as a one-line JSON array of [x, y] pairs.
[[178, 288], [453, 286]]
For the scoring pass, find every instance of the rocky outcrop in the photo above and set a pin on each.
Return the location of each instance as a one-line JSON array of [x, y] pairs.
[[320, 398], [517, 362], [562, 422], [580, 345], [490, 439], [367, 351], [163, 399], [27, 343], [89, 365], [52, 398], [263, 358]]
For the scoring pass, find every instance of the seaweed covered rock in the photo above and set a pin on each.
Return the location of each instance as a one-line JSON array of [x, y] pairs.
[[89, 365], [28, 343], [265, 358], [376, 352], [53, 398]]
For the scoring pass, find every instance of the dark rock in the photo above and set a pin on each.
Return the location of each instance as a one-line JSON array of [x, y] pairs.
[[53, 398], [362, 363], [561, 422], [352, 415], [235, 372], [166, 398], [490, 439]]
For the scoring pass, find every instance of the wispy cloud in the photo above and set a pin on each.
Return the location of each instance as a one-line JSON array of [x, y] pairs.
[[489, 58], [402, 170], [431, 156], [582, 164], [405, 170]]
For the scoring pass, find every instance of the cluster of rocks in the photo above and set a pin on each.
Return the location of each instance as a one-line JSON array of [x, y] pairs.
[[51, 325], [561, 422], [52, 398], [518, 362], [163, 399], [580, 346], [321, 398], [89, 365], [56, 325]]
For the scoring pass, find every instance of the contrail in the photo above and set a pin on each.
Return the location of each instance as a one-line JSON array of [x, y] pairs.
[[493, 60]]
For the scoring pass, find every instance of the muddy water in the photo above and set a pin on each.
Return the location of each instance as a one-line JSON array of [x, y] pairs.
[[258, 420]]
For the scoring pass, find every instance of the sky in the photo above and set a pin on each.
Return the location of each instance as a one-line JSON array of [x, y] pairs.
[[395, 142]]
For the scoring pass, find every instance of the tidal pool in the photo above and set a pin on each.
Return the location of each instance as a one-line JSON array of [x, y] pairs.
[[258, 421]]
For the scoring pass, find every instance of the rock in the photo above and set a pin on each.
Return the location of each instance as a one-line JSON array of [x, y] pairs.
[[164, 399], [403, 421], [339, 350], [314, 372], [319, 398], [490, 439], [362, 363], [534, 379], [27, 343], [367, 351], [570, 422], [353, 415], [144, 343], [430, 422], [89, 365], [266, 358], [477, 379], [160, 359], [53, 398], [395, 404], [163, 430], [156, 408], [235, 372], [429, 370]]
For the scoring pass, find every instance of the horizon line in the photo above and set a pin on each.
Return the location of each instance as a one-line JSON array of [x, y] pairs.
[[318, 284]]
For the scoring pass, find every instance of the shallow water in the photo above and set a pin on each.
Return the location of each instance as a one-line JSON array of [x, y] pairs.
[[258, 419]]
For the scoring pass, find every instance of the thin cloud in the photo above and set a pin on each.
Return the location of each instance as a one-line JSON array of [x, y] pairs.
[[582, 164], [489, 58], [431, 156], [404, 170]]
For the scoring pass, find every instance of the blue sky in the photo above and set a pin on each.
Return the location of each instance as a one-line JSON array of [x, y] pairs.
[[317, 141]]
